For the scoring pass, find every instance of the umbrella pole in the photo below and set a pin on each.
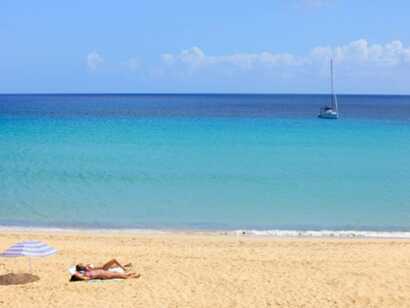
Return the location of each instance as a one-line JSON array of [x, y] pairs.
[[29, 265]]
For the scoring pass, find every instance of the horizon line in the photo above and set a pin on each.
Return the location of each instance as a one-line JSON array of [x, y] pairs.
[[200, 93]]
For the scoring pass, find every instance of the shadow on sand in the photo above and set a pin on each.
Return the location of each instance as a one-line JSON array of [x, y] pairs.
[[15, 279]]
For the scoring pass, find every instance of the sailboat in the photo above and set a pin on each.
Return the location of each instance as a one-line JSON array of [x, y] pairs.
[[330, 111]]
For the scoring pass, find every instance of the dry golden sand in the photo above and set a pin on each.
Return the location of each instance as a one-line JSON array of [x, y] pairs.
[[193, 270]]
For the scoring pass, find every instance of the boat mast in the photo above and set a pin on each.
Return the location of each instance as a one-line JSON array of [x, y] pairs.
[[334, 99]]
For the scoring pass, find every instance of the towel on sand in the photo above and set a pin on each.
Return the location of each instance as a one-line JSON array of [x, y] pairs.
[[72, 270]]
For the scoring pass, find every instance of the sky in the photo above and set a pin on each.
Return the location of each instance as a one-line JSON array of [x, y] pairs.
[[265, 46]]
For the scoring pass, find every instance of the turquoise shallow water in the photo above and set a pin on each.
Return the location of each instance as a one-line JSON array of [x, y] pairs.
[[201, 171]]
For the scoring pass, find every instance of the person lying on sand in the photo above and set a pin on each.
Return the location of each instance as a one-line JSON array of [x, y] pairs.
[[102, 275], [106, 266], [88, 272]]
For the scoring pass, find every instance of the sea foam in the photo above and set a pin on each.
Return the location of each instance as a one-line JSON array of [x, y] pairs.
[[325, 233]]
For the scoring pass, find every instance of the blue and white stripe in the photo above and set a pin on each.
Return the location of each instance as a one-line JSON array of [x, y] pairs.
[[29, 249]]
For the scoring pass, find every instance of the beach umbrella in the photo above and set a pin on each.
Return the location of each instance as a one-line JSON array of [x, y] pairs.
[[29, 249]]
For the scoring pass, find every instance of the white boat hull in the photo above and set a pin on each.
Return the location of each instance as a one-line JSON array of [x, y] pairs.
[[329, 114]]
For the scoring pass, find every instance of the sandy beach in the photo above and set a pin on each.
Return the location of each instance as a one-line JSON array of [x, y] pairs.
[[211, 270]]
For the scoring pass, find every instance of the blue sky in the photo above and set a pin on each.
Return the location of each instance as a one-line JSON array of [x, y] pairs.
[[276, 46]]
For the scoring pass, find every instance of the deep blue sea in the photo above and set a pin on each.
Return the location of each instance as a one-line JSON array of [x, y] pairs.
[[214, 162]]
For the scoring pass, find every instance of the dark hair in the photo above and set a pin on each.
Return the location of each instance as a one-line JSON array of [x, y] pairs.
[[74, 278], [80, 268]]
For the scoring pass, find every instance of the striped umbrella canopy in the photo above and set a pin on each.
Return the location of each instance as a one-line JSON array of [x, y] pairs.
[[29, 249]]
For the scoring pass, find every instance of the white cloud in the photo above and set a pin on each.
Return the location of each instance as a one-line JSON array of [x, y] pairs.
[[356, 52], [196, 58], [361, 52], [193, 57], [94, 60]]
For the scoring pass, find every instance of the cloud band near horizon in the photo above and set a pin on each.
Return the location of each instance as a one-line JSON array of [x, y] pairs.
[[358, 52], [361, 67]]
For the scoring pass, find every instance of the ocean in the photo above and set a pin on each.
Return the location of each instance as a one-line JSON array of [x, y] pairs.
[[262, 163]]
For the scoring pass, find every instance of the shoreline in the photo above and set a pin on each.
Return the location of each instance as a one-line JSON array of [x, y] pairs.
[[273, 234]]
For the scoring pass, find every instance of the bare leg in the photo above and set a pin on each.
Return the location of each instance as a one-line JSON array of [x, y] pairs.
[[109, 275], [133, 275], [112, 263]]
